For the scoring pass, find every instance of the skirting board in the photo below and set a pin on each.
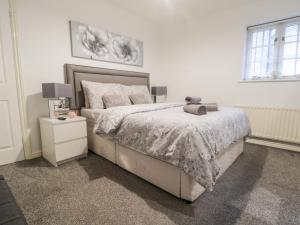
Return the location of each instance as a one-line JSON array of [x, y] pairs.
[[273, 144]]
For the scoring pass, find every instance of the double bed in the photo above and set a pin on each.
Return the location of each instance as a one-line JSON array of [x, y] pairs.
[[181, 153]]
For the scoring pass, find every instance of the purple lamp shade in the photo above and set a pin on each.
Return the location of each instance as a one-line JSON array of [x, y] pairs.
[[158, 91], [57, 90]]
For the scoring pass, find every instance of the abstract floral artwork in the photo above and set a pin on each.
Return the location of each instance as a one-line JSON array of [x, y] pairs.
[[100, 44]]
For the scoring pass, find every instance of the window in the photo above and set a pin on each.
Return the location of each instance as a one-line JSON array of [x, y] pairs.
[[273, 51]]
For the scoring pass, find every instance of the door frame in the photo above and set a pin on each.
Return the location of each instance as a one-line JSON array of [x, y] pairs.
[[25, 131]]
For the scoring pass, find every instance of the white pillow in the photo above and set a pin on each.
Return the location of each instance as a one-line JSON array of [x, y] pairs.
[[96, 90], [138, 90]]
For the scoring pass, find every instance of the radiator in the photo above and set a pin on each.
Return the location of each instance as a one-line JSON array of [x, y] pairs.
[[274, 123]]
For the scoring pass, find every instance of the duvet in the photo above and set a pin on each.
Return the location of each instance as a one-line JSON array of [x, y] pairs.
[[166, 132]]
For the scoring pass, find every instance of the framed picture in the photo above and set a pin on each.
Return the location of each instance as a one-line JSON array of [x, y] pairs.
[[99, 44]]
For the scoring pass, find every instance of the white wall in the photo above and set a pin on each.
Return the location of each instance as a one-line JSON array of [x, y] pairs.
[[45, 45], [205, 57], [202, 57]]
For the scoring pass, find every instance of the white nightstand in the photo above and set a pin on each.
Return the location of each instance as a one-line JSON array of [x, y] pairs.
[[63, 140]]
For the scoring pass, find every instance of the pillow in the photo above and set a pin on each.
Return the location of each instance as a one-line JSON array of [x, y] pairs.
[[113, 101], [95, 91], [138, 90], [85, 94], [139, 99]]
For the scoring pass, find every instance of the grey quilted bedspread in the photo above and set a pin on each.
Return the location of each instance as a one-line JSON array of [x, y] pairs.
[[166, 132]]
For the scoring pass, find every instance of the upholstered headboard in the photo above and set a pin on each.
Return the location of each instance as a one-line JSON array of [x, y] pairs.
[[74, 74]]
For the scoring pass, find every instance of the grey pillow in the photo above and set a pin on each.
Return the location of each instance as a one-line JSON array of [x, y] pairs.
[[113, 101], [137, 90], [139, 99]]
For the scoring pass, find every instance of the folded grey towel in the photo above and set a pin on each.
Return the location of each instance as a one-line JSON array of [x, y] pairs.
[[192, 100], [195, 109], [210, 107]]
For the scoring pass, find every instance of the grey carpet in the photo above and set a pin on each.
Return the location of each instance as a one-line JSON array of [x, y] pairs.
[[262, 187]]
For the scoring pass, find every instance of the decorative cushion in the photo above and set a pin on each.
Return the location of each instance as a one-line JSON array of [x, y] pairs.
[[139, 99], [138, 90], [113, 101], [95, 91]]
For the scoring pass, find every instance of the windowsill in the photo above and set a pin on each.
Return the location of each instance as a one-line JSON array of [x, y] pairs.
[[270, 80]]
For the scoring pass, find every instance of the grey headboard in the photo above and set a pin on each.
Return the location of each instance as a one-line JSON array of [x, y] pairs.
[[74, 74]]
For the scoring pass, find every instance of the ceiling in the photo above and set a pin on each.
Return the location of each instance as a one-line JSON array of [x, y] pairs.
[[164, 11]]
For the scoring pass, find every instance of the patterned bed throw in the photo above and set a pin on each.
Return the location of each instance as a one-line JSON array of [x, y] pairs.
[[166, 132]]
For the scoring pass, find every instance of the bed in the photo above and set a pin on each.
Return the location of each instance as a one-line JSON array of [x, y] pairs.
[[165, 175]]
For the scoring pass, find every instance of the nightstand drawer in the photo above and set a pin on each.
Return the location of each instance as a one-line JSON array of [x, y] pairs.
[[69, 131], [70, 149]]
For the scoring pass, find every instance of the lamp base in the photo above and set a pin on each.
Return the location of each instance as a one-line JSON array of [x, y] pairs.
[[159, 99], [57, 108], [51, 108]]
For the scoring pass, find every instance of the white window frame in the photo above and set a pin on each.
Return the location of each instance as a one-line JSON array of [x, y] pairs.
[[278, 51]]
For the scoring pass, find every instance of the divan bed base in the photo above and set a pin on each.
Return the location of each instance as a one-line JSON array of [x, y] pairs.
[[164, 175]]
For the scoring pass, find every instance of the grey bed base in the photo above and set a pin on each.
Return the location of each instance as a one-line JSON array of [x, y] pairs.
[[163, 175]]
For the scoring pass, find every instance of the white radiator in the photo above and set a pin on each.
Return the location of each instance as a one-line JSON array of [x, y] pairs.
[[274, 123]]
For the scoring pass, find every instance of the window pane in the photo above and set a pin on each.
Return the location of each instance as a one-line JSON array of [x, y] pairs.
[[260, 55], [288, 67], [291, 39], [265, 53], [298, 67], [254, 37], [263, 71], [257, 69], [253, 54], [266, 56], [259, 41], [290, 50], [252, 70], [273, 33], [266, 37], [291, 30]]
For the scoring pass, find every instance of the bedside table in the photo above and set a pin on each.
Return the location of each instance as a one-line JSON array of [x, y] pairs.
[[63, 140]]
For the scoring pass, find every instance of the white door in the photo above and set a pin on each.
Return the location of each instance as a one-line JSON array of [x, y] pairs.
[[11, 148]]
